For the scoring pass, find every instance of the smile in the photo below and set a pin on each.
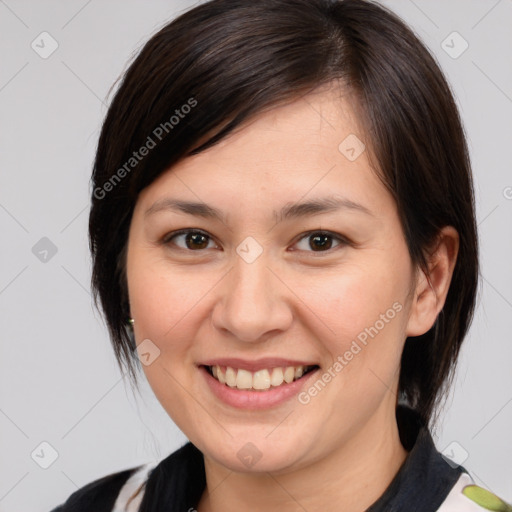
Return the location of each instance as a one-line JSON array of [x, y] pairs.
[[261, 380]]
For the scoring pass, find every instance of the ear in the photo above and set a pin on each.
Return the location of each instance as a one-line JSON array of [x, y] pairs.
[[430, 293]]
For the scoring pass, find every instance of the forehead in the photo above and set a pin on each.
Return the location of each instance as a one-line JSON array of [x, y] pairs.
[[313, 145]]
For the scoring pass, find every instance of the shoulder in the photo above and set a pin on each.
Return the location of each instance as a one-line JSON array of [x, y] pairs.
[[116, 492], [465, 496], [179, 478]]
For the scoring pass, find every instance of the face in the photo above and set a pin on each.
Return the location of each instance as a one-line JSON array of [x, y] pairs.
[[266, 285]]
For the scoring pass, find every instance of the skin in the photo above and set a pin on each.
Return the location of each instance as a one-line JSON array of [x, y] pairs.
[[295, 300]]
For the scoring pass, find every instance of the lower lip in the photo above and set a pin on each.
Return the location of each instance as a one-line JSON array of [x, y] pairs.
[[246, 399]]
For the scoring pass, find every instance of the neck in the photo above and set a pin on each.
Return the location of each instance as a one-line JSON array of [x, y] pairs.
[[352, 477]]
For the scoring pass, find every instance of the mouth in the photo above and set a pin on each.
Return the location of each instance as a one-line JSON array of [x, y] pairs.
[[262, 380]]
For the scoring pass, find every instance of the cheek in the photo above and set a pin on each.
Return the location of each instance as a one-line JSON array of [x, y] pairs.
[[163, 305], [350, 301], [362, 308], [162, 296]]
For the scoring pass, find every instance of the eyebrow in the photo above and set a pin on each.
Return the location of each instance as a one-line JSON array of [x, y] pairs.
[[296, 210]]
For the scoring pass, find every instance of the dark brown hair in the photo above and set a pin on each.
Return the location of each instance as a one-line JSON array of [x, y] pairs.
[[228, 60]]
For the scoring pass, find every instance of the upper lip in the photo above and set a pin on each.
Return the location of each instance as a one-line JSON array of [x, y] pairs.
[[255, 365]]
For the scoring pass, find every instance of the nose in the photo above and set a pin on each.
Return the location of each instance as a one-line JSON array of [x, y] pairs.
[[252, 304]]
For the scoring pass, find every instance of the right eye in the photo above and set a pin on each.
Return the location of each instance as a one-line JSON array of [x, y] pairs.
[[193, 240]]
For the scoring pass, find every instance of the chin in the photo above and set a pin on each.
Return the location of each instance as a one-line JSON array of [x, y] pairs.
[[255, 454]]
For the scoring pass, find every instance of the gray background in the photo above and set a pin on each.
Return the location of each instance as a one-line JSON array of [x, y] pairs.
[[59, 380]]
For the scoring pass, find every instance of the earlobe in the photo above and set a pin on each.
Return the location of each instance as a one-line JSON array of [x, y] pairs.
[[431, 291]]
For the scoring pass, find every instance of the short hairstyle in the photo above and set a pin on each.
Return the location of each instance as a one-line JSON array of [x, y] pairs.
[[228, 60]]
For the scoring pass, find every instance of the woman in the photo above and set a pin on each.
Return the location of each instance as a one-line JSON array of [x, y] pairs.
[[283, 234]]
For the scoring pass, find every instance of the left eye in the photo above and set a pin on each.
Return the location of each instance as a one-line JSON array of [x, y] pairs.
[[322, 240]]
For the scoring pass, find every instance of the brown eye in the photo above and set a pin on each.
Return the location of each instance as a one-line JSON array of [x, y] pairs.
[[196, 240], [193, 240], [320, 241]]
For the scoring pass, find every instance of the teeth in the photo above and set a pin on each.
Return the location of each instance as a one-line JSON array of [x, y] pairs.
[[289, 374], [230, 376], [277, 377], [260, 380], [243, 379]]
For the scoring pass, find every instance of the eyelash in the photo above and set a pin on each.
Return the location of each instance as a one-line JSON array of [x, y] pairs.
[[342, 240]]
